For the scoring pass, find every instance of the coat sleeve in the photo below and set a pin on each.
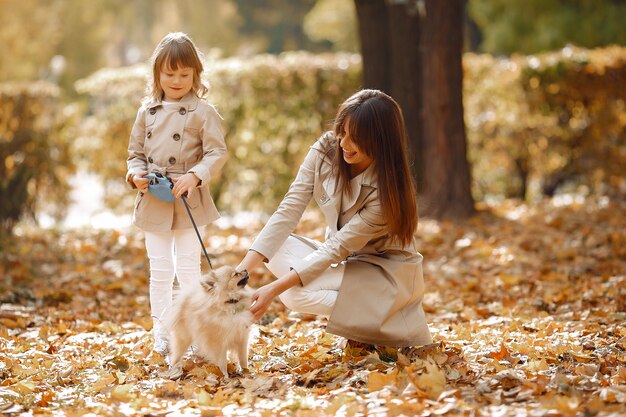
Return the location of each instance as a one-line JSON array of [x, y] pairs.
[[136, 161], [286, 217], [366, 225], [214, 152]]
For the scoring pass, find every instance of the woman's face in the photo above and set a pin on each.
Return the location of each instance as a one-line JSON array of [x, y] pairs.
[[176, 83], [355, 157]]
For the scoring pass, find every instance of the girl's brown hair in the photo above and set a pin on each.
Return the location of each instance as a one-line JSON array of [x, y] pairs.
[[375, 124], [176, 50]]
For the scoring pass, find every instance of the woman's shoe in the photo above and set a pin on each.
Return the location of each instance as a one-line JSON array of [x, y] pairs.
[[356, 349]]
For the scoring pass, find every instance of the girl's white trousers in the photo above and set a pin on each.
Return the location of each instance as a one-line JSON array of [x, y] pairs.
[[171, 253]]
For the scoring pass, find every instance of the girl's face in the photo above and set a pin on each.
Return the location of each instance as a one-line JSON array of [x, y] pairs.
[[355, 157], [175, 83]]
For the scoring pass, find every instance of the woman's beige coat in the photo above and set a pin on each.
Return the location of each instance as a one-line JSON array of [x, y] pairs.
[[380, 299], [174, 140]]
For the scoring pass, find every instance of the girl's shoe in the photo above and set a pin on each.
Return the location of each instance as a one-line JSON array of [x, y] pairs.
[[161, 345], [161, 339]]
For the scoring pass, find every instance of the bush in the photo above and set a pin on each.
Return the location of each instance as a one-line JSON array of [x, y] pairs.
[[274, 107], [34, 152], [585, 93], [539, 124], [535, 124]]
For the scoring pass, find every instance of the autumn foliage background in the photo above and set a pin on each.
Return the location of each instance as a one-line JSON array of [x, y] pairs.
[[526, 300]]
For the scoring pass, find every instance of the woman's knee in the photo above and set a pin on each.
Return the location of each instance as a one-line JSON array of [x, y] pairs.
[[294, 298]]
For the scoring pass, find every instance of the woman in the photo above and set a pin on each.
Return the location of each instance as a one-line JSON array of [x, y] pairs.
[[366, 277]]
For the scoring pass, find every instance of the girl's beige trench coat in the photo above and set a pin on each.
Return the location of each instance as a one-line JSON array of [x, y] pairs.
[[380, 298], [173, 140]]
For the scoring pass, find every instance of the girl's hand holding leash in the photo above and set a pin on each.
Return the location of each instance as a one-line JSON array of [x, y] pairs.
[[185, 184], [140, 182]]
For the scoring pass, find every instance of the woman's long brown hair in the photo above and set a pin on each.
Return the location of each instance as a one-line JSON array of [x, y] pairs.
[[375, 124]]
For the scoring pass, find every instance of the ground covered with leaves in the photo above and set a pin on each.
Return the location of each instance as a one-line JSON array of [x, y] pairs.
[[527, 306]]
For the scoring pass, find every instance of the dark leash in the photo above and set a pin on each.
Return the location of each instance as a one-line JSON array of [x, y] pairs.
[[161, 187], [206, 255]]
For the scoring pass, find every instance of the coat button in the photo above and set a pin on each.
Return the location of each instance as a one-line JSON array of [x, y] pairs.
[[149, 134], [176, 136], [153, 111], [182, 111], [150, 160], [172, 160]]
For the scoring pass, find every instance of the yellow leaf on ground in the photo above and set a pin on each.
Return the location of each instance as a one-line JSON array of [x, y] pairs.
[[23, 387], [432, 381], [538, 365], [123, 393], [377, 380], [204, 398], [614, 394]]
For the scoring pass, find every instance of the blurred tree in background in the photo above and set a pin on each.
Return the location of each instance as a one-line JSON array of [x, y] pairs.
[[35, 151], [28, 48], [531, 26], [333, 21], [66, 40], [273, 26]]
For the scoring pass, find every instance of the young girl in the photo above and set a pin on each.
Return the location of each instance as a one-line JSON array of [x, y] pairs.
[[177, 134], [366, 277]]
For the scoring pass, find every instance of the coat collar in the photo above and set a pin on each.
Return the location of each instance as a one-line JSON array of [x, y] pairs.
[[362, 185], [362, 182], [189, 102]]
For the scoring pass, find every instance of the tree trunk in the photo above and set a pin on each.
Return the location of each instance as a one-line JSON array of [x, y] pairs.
[[446, 188], [412, 49], [374, 36], [406, 73]]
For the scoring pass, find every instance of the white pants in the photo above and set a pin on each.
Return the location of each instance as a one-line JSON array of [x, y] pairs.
[[320, 295], [171, 253]]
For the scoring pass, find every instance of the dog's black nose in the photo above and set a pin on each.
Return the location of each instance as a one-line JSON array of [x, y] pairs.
[[243, 281]]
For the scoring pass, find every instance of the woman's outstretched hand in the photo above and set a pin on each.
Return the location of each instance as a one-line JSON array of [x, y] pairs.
[[263, 297], [261, 300]]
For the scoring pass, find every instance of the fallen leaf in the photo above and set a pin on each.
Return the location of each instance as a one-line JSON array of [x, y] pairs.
[[377, 380], [123, 392]]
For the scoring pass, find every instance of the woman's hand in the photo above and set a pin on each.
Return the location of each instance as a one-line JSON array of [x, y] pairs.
[[261, 300], [185, 184], [140, 182]]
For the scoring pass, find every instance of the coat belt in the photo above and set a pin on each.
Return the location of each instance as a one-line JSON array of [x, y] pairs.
[[176, 169]]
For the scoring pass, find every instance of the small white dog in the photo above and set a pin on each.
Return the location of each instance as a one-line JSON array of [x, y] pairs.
[[214, 315]]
